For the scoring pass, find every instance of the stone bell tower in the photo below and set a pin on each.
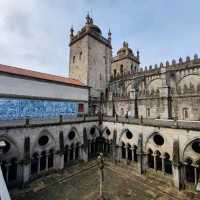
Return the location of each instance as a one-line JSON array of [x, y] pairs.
[[90, 58]]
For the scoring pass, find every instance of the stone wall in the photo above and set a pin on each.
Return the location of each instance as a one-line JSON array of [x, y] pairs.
[[13, 86], [171, 91]]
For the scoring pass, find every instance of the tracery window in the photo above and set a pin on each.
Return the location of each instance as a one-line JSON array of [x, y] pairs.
[[115, 72], [148, 112], [121, 69], [185, 113], [74, 59], [80, 55]]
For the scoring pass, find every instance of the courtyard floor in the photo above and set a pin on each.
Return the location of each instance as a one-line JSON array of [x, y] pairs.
[[81, 182]]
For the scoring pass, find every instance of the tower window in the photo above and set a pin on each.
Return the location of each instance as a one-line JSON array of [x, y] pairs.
[[121, 69], [74, 59], [80, 55], [148, 112], [131, 67], [185, 113], [115, 72], [100, 77]]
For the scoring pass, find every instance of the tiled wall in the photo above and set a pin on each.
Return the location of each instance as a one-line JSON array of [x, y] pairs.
[[11, 109]]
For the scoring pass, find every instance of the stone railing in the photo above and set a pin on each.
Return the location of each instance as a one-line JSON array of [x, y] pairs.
[[180, 124], [61, 120]]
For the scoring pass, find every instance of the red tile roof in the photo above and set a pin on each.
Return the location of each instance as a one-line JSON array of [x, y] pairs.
[[38, 75]]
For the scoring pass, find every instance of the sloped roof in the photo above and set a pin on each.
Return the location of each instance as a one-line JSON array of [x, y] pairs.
[[39, 75]]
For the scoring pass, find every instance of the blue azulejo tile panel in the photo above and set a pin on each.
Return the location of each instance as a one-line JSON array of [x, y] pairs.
[[11, 109]]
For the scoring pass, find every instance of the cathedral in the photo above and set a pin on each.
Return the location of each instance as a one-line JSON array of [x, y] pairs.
[[144, 117]]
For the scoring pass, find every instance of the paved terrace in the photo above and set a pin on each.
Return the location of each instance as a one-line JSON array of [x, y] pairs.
[[179, 124], [121, 182], [46, 122]]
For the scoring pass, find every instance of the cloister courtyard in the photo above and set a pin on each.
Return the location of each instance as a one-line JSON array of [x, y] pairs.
[[121, 182]]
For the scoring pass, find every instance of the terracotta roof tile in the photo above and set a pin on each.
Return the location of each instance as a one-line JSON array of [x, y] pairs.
[[38, 75]]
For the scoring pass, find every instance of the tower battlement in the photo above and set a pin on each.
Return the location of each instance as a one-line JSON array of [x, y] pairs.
[[90, 29], [181, 64]]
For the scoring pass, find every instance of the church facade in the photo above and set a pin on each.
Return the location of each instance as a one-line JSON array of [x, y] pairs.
[[147, 118]]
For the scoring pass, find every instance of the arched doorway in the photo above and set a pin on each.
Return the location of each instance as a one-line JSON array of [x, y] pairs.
[[50, 158], [92, 148], [189, 171], [12, 177], [9, 162], [100, 141], [34, 163], [66, 157], [123, 149], [158, 161], [77, 151], [167, 164], [109, 146], [71, 155], [43, 161], [129, 152], [150, 159], [135, 153], [9, 170], [106, 145]]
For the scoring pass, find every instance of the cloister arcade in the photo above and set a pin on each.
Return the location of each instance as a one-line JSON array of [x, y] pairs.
[[46, 152], [159, 156]]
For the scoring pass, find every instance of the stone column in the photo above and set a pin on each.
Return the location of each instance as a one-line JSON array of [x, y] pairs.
[[133, 155], [89, 148], [141, 161], [177, 169], [120, 152], [111, 149], [163, 163], [155, 163], [94, 147], [79, 152], [74, 152], [68, 156], [47, 161], [195, 174], [114, 153], [38, 169], [23, 172], [85, 152], [179, 178], [7, 166], [117, 153], [126, 154], [58, 160], [108, 147], [144, 162], [23, 169]]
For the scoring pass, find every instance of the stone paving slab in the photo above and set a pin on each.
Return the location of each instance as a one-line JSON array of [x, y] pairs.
[[119, 184]]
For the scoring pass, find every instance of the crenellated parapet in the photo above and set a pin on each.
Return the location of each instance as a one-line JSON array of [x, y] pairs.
[[181, 64]]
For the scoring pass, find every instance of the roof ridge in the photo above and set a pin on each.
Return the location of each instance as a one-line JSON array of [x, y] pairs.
[[39, 75]]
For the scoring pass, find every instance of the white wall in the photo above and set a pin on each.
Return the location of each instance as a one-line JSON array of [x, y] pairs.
[[19, 86]]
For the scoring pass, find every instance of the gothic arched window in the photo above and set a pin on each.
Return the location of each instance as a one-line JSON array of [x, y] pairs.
[[185, 113], [80, 55], [121, 69], [74, 59]]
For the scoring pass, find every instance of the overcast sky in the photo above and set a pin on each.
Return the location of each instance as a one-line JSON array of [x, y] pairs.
[[34, 34]]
